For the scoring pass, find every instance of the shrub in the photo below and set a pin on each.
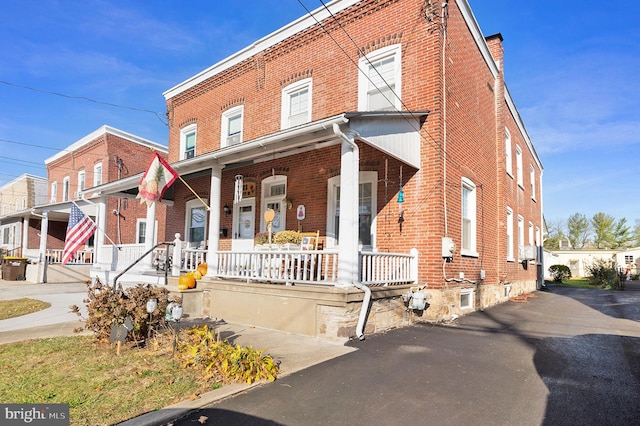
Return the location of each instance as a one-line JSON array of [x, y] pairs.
[[560, 272], [262, 238], [603, 274], [106, 307], [286, 237]]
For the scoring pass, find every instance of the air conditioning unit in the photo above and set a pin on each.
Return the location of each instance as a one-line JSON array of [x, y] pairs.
[[530, 253], [77, 195]]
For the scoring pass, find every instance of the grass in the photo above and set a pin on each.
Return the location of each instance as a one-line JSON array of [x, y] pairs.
[[18, 307], [101, 387]]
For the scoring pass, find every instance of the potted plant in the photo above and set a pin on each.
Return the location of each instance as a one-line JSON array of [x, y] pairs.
[[288, 239], [261, 240]]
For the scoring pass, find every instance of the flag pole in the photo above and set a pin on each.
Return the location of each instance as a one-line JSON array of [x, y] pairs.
[[94, 222], [194, 192]]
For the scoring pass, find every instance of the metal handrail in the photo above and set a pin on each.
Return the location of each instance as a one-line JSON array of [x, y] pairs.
[[166, 263]]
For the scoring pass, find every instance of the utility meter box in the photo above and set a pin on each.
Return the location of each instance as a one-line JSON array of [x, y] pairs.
[[448, 247]]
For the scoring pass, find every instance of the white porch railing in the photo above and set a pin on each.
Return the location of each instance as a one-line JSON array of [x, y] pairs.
[[82, 257], [285, 266], [278, 266], [387, 268]]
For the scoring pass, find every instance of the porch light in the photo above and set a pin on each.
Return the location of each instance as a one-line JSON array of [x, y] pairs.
[[227, 210], [401, 195]]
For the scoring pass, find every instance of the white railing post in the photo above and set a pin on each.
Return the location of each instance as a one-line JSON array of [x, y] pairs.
[[177, 256], [414, 264]]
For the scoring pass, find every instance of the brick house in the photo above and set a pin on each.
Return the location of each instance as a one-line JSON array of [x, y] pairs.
[[384, 125], [105, 155], [16, 200]]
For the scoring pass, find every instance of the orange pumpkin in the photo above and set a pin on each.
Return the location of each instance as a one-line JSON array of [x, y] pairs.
[[186, 282], [202, 268]]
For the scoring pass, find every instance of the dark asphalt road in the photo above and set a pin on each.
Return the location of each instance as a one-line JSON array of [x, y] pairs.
[[566, 357]]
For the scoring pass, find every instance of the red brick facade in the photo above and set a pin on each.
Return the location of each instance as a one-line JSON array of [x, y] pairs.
[[462, 138]]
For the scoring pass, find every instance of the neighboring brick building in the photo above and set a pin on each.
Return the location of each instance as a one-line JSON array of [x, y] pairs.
[[105, 155], [385, 123], [16, 200]]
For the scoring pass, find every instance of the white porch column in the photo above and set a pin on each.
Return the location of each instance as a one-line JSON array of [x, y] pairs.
[[348, 256], [101, 220], [149, 237], [25, 235], [214, 220], [44, 230]]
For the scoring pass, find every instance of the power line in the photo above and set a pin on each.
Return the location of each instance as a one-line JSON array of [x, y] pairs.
[[84, 98]]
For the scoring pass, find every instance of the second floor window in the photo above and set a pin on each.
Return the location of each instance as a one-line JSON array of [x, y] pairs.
[[54, 191], [232, 126], [468, 218], [65, 189], [296, 104], [97, 174], [81, 180], [379, 80], [188, 142]]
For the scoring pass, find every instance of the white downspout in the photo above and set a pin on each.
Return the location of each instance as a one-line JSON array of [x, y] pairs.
[[347, 244]]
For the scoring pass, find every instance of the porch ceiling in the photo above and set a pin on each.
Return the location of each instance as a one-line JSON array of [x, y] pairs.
[[396, 133]]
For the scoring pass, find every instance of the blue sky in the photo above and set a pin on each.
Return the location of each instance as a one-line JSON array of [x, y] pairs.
[[571, 67]]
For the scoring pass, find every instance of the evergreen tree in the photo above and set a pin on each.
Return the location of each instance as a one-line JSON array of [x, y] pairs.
[[579, 229]]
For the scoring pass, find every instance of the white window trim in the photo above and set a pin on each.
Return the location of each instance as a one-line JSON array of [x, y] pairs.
[[266, 198], [467, 292], [471, 251], [193, 128], [286, 101], [519, 170], [508, 152], [510, 239], [520, 238], [54, 192], [187, 219], [224, 133], [82, 180], [333, 184], [532, 177], [97, 174], [363, 72], [66, 188]]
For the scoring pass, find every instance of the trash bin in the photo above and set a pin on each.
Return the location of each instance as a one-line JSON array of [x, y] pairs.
[[14, 268]]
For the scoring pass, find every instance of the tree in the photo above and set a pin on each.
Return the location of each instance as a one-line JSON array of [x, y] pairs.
[[579, 229], [555, 232], [636, 234], [621, 233], [603, 229]]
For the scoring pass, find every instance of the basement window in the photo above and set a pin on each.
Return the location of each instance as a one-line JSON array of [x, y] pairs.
[[506, 290], [466, 298]]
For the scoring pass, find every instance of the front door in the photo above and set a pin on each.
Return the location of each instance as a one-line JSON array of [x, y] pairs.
[[244, 217]]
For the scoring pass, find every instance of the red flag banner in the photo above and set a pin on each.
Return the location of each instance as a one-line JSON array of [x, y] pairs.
[[156, 180], [79, 230]]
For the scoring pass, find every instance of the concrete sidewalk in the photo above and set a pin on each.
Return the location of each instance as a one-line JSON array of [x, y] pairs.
[[295, 352]]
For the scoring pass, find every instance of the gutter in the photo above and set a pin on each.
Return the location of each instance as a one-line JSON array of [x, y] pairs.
[[367, 291]]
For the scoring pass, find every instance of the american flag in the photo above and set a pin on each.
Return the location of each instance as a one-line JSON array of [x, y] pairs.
[[79, 230]]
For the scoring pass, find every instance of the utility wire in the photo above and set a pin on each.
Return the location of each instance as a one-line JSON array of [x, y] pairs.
[[84, 98]]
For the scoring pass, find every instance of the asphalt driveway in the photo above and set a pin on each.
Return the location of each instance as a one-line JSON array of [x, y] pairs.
[[565, 357]]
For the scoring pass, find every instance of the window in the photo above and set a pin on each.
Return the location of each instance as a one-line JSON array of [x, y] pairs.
[[65, 188], [196, 223], [468, 218], [54, 191], [232, 126], [507, 152], [367, 207], [520, 238], [296, 104], [519, 166], [532, 178], [24, 203], [81, 180], [141, 231], [274, 192], [531, 241], [379, 80], [188, 142], [510, 235], [628, 258], [466, 298], [97, 174]]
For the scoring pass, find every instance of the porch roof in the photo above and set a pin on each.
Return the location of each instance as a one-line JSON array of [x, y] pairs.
[[395, 133]]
